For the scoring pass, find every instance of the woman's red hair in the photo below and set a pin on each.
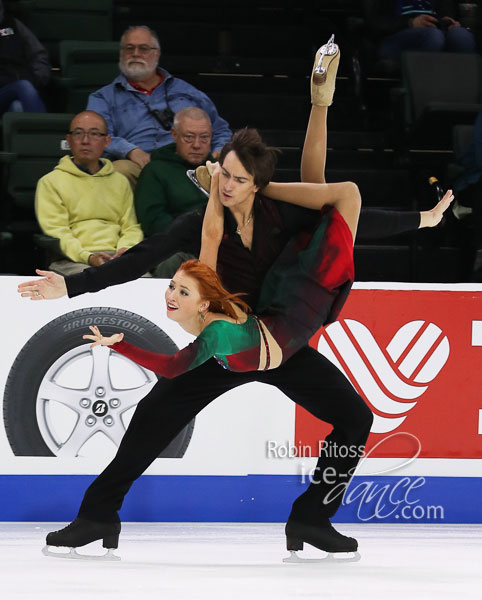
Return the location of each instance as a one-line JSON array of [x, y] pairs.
[[211, 288]]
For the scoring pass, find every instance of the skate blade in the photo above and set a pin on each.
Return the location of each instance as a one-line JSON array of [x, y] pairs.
[[329, 558], [327, 50], [74, 555], [191, 173]]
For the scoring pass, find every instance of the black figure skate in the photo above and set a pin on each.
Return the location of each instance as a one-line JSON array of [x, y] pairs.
[[81, 532], [324, 537]]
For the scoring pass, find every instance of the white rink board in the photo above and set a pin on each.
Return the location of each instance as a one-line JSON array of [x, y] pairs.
[[230, 436]]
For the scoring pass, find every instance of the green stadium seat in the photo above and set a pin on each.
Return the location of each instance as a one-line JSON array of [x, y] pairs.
[[54, 20], [85, 67], [33, 144], [440, 90]]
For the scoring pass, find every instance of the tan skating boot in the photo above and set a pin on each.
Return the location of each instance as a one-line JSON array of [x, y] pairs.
[[204, 177], [324, 73], [201, 176]]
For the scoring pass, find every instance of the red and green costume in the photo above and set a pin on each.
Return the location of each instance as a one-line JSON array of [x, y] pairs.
[[304, 289]]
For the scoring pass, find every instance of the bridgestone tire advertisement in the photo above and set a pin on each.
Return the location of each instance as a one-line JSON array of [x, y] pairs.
[[38, 382]]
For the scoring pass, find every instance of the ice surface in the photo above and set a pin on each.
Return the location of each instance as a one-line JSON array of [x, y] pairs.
[[177, 561]]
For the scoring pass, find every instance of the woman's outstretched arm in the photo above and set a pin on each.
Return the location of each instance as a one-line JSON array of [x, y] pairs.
[[213, 224], [190, 357]]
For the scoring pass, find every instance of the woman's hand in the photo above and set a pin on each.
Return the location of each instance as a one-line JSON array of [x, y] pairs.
[[100, 340], [214, 169]]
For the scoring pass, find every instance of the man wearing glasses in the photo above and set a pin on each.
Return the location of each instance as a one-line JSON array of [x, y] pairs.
[[140, 104], [163, 191], [85, 203]]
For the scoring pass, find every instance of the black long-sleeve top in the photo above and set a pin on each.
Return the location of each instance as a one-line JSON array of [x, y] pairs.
[[241, 269]]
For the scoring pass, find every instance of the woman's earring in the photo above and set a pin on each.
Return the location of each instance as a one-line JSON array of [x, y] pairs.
[[202, 316]]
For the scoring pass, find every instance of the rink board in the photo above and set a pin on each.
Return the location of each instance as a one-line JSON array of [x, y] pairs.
[[413, 352]]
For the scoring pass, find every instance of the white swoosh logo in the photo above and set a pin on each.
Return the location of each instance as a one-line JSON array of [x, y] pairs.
[[376, 371]]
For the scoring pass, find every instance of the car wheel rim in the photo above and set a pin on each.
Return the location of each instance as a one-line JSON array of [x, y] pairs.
[[87, 392]]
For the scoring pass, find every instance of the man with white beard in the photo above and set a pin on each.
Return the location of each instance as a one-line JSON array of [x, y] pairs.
[[140, 104]]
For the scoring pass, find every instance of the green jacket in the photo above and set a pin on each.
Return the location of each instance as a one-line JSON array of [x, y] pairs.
[[163, 191]]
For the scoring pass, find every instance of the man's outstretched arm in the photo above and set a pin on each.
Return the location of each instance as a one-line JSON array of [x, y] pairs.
[[184, 235], [376, 223]]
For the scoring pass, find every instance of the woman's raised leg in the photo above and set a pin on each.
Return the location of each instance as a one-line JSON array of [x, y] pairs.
[[323, 79], [313, 158]]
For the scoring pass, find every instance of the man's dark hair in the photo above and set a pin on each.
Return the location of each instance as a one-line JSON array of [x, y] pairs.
[[255, 156]]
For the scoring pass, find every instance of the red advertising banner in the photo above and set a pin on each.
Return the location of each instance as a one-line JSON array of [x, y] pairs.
[[416, 358]]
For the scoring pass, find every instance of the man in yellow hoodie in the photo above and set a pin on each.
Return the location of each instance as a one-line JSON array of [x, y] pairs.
[[85, 203]]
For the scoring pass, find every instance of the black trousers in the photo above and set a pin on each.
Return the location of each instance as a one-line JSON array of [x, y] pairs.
[[308, 378]]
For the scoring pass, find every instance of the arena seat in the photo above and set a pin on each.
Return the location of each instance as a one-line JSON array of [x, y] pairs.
[[439, 91], [85, 67], [262, 110], [33, 144], [275, 75], [53, 21], [462, 137], [5, 238]]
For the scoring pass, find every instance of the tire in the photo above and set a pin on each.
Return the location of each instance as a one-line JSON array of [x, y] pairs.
[[45, 414]]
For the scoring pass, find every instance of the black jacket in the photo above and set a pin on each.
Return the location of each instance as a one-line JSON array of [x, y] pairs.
[[22, 56]]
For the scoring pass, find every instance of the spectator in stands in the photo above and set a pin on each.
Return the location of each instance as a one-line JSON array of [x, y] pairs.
[[85, 203], [163, 191], [423, 25], [139, 105], [24, 66]]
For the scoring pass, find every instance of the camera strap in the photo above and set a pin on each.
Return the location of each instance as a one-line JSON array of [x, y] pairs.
[[154, 113]]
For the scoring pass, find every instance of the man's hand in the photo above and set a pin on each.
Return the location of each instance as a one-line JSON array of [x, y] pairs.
[[119, 252], [216, 154], [100, 340], [431, 218], [451, 22], [51, 286], [424, 21], [140, 157], [98, 258]]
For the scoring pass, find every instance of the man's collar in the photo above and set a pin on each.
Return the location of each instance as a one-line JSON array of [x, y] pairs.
[[85, 169], [122, 80], [232, 225]]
